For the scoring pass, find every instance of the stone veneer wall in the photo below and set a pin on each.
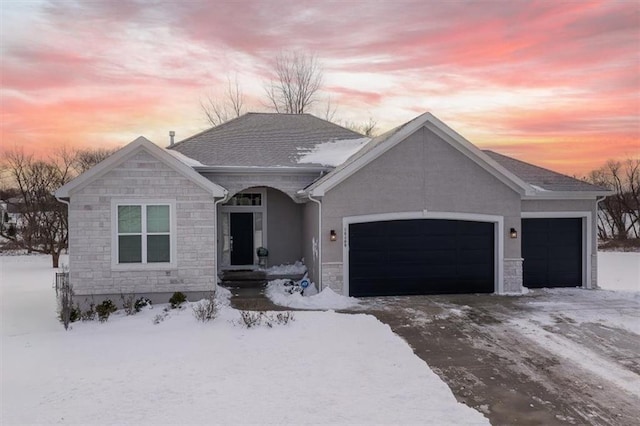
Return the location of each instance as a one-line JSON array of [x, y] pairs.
[[141, 177], [332, 276], [512, 275]]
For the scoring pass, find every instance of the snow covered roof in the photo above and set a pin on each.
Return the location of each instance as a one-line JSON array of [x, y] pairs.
[[331, 153], [262, 140]]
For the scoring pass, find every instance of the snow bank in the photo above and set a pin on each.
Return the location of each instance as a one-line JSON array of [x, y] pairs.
[[619, 271], [295, 269], [180, 371], [326, 299], [332, 153]]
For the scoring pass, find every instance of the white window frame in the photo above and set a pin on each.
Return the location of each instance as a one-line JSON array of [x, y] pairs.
[[143, 203]]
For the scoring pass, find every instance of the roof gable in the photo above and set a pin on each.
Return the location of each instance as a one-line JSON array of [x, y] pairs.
[[139, 144], [262, 140], [381, 144]]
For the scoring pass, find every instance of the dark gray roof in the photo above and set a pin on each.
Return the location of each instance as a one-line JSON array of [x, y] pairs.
[[543, 178], [261, 140]]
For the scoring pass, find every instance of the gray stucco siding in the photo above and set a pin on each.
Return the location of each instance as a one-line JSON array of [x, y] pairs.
[[289, 183], [421, 173], [141, 178], [284, 228]]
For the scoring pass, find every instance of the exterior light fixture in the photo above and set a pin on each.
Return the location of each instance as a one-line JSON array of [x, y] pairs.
[[332, 235], [513, 233]]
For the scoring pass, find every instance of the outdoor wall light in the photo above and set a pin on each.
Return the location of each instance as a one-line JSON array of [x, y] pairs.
[[513, 233], [332, 235]]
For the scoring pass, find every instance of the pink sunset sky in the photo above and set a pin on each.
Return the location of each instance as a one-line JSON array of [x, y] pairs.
[[556, 83]]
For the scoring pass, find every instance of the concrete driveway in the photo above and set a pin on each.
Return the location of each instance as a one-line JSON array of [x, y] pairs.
[[566, 356]]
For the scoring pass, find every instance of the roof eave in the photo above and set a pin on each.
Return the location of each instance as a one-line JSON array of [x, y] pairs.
[[567, 195], [262, 169]]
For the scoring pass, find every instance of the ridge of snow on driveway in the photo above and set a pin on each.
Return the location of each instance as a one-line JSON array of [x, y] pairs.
[[324, 367]]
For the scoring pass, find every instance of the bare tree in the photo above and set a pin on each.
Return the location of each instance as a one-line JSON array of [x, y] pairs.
[[43, 227], [367, 128], [230, 105], [84, 159], [298, 77], [619, 216]]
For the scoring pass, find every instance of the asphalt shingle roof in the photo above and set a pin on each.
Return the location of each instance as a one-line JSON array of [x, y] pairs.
[[261, 140], [543, 178]]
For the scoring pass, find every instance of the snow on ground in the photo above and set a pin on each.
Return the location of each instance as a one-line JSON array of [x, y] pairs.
[[558, 318], [332, 153], [295, 269], [619, 271], [324, 367], [326, 299]]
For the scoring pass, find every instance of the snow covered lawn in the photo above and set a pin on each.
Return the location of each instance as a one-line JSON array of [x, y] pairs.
[[324, 367], [619, 271]]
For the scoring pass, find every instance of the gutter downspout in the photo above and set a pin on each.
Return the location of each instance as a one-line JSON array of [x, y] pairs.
[[68, 203], [319, 240], [215, 212]]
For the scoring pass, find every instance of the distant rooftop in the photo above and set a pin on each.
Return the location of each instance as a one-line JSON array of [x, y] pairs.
[[262, 140]]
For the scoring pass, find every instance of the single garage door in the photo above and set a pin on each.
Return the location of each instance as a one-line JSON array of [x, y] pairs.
[[424, 256], [552, 252]]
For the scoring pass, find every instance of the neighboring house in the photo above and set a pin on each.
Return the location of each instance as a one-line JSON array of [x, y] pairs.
[[417, 210]]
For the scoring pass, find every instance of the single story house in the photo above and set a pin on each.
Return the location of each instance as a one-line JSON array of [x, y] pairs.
[[417, 210]]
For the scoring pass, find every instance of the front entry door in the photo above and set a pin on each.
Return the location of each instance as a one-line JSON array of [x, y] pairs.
[[241, 238]]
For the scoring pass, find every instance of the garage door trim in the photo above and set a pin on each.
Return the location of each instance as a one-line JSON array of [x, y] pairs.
[[587, 236], [498, 222]]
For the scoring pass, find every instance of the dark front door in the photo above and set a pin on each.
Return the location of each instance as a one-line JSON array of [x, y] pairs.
[[241, 238], [552, 252], [425, 256]]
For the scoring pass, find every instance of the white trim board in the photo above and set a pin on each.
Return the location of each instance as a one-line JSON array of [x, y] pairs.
[[587, 236], [173, 235], [120, 156], [498, 222]]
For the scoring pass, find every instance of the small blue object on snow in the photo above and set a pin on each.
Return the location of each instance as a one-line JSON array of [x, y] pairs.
[[304, 283]]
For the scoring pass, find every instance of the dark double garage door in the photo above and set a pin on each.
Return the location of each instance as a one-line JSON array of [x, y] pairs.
[[433, 256], [422, 256]]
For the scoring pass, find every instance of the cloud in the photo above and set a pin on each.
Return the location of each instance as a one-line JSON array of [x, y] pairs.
[[523, 73]]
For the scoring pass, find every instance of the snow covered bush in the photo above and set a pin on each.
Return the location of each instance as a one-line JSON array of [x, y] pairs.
[[160, 317], [177, 299], [90, 313], [105, 309], [128, 304], [141, 303], [251, 319], [206, 309]]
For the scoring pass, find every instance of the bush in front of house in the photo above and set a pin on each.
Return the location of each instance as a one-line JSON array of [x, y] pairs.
[[105, 309], [206, 309], [177, 299], [140, 303], [252, 319]]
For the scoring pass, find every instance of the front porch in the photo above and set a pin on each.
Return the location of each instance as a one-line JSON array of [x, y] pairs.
[[253, 218]]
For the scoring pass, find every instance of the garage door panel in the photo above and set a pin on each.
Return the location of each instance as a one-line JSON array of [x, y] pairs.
[[552, 252], [423, 256]]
